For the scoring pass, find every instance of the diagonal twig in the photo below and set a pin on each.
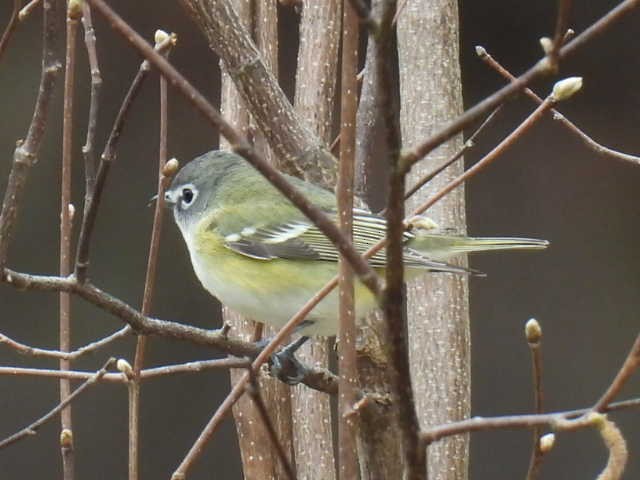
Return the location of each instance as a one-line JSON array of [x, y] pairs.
[[628, 368], [564, 121], [239, 145], [10, 28], [26, 152], [456, 156], [33, 427], [73, 355], [539, 69], [106, 160]]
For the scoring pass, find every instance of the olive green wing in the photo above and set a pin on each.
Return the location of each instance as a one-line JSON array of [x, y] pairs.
[[297, 238]]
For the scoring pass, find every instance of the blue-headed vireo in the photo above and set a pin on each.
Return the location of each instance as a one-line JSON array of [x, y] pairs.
[[255, 251]]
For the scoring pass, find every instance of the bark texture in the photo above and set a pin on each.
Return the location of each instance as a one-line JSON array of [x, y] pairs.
[[297, 149], [438, 313], [314, 102], [379, 436]]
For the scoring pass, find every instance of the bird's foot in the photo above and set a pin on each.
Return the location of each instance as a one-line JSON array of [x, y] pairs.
[[284, 366]]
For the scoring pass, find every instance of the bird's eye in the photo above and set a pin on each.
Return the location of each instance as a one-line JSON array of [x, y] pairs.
[[188, 195]]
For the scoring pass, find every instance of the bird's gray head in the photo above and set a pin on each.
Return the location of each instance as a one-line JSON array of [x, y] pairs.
[[195, 186]]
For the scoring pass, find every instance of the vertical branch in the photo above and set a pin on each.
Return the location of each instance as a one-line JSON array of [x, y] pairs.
[[348, 460], [74, 12], [533, 332], [394, 295], [150, 277], [314, 103], [437, 310], [106, 159], [562, 23], [379, 436], [26, 152], [88, 149]]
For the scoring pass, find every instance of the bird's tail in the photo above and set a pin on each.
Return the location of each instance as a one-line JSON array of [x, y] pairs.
[[443, 247]]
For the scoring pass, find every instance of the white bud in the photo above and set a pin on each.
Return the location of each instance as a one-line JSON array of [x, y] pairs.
[[480, 51], [564, 89], [546, 442], [170, 168], [72, 211], [546, 43], [125, 367], [160, 36], [533, 331]]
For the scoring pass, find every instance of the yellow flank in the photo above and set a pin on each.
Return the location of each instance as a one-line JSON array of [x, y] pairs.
[[271, 289]]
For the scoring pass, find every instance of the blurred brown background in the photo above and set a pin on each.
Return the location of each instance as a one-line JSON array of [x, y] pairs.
[[584, 289]]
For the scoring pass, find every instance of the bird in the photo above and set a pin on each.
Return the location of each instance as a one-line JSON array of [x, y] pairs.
[[259, 255]]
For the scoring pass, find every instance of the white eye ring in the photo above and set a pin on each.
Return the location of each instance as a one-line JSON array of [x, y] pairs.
[[188, 195]]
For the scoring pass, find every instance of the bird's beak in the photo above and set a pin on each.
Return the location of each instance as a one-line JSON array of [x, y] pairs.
[[168, 200]]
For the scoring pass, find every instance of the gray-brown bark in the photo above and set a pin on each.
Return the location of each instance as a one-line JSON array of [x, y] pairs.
[[379, 439], [438, 304], [296, 148], [314, 101]]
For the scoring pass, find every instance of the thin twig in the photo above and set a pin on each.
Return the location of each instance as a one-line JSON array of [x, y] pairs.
[[393, 306], [236, 392], [66, 218], [150, 373], [539, 69], [317, 378], [498, 150], [150, 277], [73, 355], [106, 160], [516, 422], [533, 334], [254, 392], [347, 362], [26, 152], [240, 146], [562, 22], [630, 365], [470, 143], [10, 28], [33, 427], [88, 149], [296, 148], [401, 5], [586, 140], [27, 9]]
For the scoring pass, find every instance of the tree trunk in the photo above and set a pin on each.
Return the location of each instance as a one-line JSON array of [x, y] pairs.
[[314, 101], [438, 314]]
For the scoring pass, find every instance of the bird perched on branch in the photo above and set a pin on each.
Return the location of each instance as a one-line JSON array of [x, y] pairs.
[[259, 255]]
